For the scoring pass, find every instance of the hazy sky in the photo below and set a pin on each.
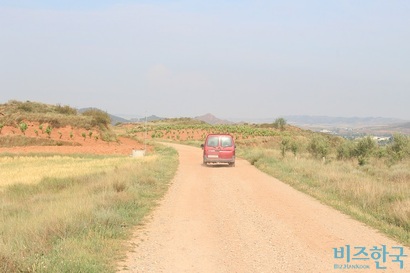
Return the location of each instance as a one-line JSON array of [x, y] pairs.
[[256, 59]]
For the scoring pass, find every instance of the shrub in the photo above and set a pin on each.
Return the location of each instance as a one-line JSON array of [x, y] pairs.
[[66, 110], [1, 127], [318, 147], [364, 148], [23, 127], [99, 118], [345, 150], [49, 130], [25, 106], [294, 147], [400, 147], [54, 122], [108, 136]]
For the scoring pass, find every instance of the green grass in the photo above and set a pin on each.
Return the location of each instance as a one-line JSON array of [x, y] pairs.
[[80, 223]]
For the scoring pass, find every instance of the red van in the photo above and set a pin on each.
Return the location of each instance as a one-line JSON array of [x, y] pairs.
[[219, 148]]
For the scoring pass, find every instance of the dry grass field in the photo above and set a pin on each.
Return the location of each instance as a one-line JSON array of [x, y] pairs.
[[34, 169], [70, 194], [73, 214], [376, 194]]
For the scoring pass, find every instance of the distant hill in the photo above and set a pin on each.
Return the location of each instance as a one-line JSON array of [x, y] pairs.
[[340, 121], [403, 128], [150, 118], [351, 126], [116, 119], [211, 119], [405, 125]]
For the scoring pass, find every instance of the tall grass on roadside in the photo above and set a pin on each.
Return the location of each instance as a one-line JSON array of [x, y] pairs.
[[376, 194], [79, 223]]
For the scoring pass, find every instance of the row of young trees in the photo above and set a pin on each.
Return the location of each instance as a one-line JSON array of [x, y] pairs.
[[363, 149]]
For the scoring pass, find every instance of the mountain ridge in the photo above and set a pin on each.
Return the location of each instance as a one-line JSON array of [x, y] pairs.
[[211, 119]]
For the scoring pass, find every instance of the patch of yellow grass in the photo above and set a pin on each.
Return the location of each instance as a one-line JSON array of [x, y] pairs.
[[32, 169]]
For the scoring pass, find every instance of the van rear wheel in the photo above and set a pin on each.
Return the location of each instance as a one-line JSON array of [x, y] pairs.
[[232, 164]]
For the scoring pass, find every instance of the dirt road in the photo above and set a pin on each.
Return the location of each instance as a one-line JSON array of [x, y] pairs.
[[223, 219]]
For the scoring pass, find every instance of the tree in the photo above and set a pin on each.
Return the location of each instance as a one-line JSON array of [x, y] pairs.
[[400, 147], [318, 146], [294, 147], [364, 148], [345, 150], [284, 146], [280, 123]]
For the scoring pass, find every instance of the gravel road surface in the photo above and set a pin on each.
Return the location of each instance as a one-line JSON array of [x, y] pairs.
[[238, 219]]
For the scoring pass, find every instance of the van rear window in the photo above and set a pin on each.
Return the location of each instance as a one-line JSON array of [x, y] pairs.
[[226, 141], [213, 141]]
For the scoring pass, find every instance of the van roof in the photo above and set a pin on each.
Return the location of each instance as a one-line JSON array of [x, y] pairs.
[[220, 134]]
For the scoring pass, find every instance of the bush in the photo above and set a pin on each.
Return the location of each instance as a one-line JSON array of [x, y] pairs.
[[400, 147], [23, 127], [364, 149], [66, 110], [318, 147], [49, 130], [294, 147], [345, 150], [25, 106], [99, 118]]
